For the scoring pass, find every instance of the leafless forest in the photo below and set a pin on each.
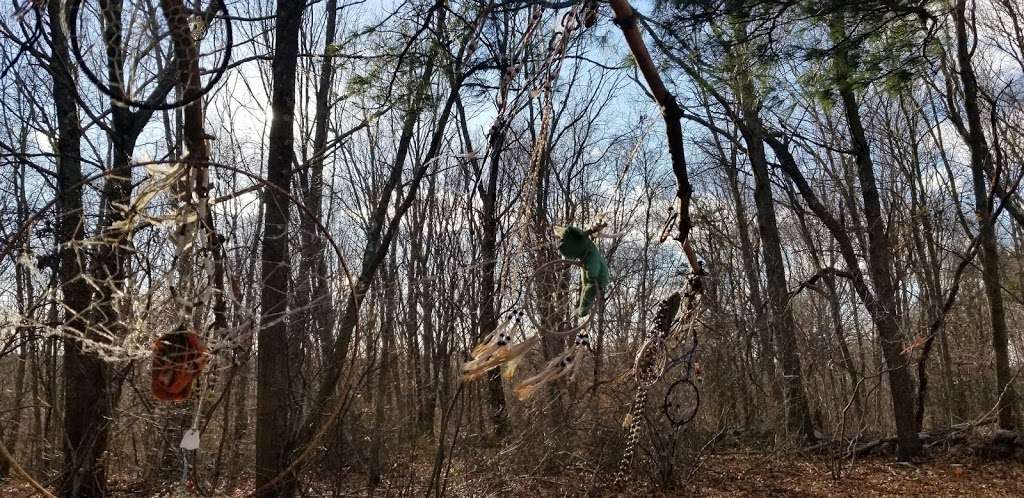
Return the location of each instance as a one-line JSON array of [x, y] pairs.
[[511, 247]]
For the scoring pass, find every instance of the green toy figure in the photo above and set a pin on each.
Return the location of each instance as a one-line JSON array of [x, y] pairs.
[[576, 244]]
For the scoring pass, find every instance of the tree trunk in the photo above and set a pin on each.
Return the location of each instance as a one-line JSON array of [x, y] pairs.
[[488, 288], [879, 257], [766, 354], [274, 400], [312, 293], [780, 314], [85, 374], [382, 231], [387, 331], [1006, 396]]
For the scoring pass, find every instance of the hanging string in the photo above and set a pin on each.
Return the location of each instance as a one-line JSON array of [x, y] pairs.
[[677, 314]]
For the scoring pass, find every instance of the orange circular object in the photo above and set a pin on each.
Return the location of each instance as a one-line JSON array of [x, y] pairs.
[[178, 359]]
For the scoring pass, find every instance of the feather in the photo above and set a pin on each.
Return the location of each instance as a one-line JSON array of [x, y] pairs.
[[526, 392], [490, 343], [557, 368], [505, 353], [475, 368], [516, 353], [490, 353]]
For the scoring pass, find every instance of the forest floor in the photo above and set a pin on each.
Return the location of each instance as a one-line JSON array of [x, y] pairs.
[[762, 475], [722, 474], [757, 475]]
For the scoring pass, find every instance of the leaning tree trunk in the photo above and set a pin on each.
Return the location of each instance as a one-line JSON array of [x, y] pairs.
[[626, 18], [780, 314]]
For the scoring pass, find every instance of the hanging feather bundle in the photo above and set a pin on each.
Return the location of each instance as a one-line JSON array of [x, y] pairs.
[[558, 367], [497, 349], [492, 342], [506, 354], [516, 353]]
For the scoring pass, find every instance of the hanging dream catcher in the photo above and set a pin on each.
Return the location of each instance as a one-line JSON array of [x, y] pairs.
[[552, 309]]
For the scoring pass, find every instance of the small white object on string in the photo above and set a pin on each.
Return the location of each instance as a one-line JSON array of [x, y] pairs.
[[190, 440]]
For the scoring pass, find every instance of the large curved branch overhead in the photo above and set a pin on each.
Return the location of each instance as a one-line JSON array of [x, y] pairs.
[[626, 19]]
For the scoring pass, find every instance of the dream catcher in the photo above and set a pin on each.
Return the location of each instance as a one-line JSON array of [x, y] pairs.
[[167, 55], [546, 308], [179, 356], [148, 56], [550, 309], [669, 351]]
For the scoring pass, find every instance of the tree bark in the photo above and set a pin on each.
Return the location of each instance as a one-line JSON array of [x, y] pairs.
[[626, 19], [85, 374], [274, 400], [766, 354], [879, 256], [780, 314], [488, 297], [312, 293], [980, 156], [387, 332]]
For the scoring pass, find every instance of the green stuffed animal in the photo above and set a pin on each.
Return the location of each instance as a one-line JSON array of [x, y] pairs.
[[575, 244]]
